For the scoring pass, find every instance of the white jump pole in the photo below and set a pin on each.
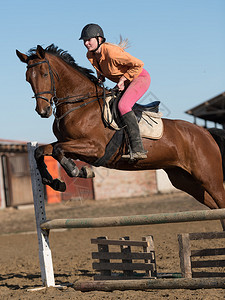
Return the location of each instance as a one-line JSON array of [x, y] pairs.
[[45, 256]]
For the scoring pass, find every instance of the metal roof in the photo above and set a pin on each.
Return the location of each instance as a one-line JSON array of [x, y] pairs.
[[210, 110]]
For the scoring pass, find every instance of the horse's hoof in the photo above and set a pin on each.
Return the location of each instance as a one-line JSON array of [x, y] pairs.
[[86, 172], [58, 185]]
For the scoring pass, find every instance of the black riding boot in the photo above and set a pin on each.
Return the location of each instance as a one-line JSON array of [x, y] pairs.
[[132, 129]]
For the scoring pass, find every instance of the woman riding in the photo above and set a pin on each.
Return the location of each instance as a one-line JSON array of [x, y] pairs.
[[112, 62]]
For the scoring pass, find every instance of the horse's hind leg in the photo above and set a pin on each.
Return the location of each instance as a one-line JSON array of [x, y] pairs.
[[184, 181], [206, 168], [214, 187], [210, 176]]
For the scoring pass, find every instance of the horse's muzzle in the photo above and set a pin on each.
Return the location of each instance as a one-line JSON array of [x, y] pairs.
[[45, 113]]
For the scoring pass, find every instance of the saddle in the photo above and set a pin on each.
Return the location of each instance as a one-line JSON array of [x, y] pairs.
[[148, 116]]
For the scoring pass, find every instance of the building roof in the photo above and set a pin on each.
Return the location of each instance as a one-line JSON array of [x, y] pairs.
[[12, 146], [210, 110]]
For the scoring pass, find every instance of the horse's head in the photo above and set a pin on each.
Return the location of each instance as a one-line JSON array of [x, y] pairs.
[[40, 76]]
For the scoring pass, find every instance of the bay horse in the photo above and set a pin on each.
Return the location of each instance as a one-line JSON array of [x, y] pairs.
[[219, 136], [186, 152]]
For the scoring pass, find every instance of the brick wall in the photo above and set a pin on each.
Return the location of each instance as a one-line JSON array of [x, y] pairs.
[[116, 184]]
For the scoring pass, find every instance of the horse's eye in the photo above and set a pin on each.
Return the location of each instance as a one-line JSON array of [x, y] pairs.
[[45, 75]]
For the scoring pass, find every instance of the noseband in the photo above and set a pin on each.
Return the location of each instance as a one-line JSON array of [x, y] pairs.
[[68, 99], [53, 90]]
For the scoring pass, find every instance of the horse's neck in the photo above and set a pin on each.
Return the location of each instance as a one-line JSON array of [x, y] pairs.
[[71, 81]]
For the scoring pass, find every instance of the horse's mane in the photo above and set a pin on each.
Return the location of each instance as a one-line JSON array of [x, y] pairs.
[[67, 58]]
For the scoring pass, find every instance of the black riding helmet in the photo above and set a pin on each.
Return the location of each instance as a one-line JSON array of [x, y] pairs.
[[92, 31]]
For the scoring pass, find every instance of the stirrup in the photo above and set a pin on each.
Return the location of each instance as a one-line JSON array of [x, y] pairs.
[[135, 155]]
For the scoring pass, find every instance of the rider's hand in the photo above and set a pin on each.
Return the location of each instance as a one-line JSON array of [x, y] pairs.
[[120, 84], [101, 78]]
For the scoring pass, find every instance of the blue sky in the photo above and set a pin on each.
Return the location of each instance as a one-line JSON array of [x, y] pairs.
[[181, 42]]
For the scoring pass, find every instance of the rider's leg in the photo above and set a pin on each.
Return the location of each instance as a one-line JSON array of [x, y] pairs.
[[132, 129], [133, 93]]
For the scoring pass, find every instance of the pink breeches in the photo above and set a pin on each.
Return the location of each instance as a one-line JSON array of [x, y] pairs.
[[134, 92]]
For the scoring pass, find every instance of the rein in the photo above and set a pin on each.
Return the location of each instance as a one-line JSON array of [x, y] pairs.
[[78, 98], [66, 100]]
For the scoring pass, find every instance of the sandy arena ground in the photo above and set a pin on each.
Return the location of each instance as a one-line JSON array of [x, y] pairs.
[[71, 249]]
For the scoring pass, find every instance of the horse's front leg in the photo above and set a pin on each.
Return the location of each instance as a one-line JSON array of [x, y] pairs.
[[47, 179], [66, 152], [72, 170]]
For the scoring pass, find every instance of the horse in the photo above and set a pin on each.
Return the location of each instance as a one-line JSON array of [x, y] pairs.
[[186, 152], [219, 136]]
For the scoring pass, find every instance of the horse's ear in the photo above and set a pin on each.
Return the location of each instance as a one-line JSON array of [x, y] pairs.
[[40, 52], [22, 57]]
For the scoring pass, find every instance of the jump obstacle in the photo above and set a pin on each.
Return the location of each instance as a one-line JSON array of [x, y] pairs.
[[163, 218], [124, 259], [45, 257]]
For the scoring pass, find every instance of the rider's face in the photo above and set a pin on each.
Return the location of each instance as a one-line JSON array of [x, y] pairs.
[[91, 44]]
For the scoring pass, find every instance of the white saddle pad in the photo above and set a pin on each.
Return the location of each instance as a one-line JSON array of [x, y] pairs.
[[151, 125]]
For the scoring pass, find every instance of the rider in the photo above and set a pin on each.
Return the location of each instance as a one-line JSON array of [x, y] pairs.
[[112, 62]]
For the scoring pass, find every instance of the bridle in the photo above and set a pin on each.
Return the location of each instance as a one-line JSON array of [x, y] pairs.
[[53, 89], [55, 100], [68, 99]]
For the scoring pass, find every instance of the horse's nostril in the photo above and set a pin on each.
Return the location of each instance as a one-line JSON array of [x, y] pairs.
[[44, 113], [47, 112]]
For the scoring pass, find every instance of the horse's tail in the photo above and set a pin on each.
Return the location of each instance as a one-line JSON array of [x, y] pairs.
[[219, 137]]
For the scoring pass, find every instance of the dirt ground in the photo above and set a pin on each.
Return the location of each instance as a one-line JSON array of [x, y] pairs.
[[71, 249]]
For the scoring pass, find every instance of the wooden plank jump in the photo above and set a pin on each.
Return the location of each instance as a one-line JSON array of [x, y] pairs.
[[196, 263], [125, 264]]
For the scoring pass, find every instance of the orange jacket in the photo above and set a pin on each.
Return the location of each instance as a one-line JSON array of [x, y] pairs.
[[115, 62]]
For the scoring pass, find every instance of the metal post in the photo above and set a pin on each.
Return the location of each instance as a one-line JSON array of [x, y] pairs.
[[45, 256]]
